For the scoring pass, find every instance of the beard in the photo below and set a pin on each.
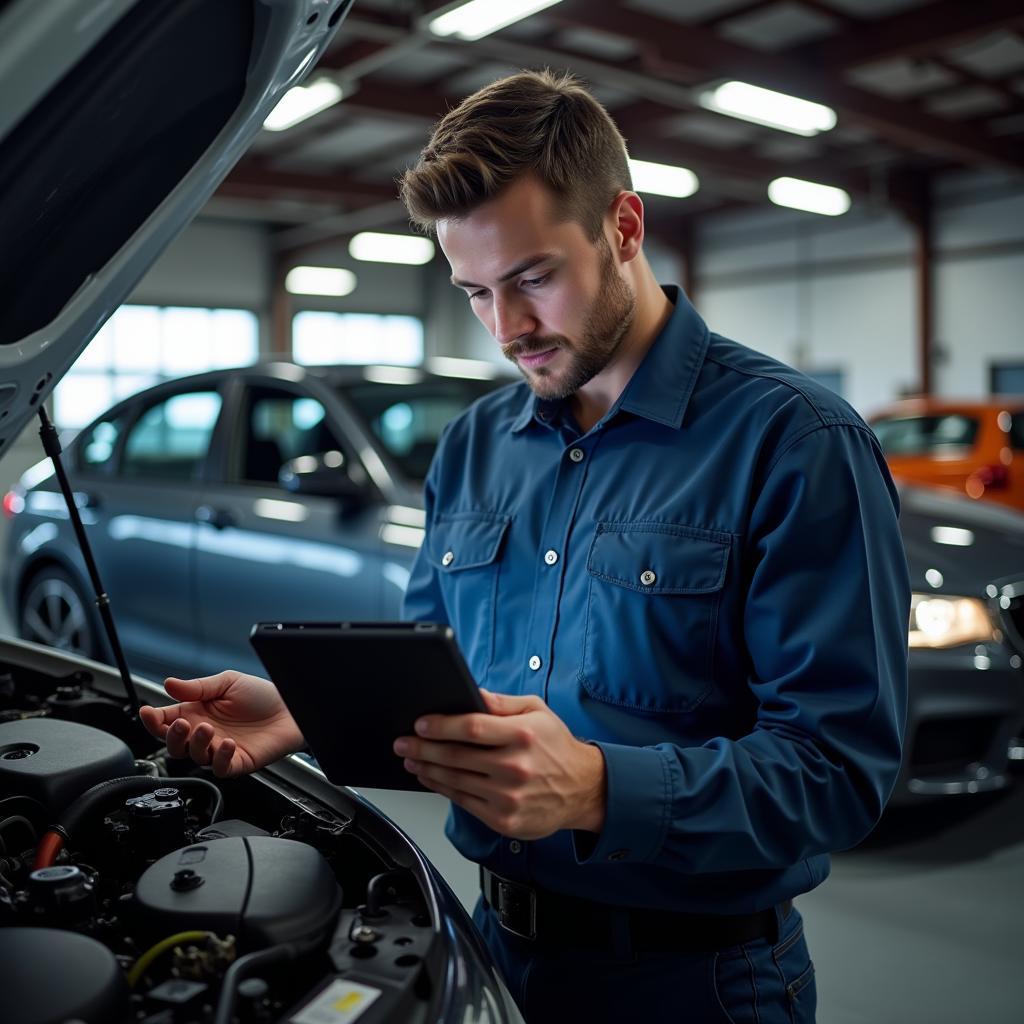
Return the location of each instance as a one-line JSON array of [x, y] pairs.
[[607, 321]]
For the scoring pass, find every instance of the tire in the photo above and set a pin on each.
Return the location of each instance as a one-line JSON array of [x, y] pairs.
[[54, 613]]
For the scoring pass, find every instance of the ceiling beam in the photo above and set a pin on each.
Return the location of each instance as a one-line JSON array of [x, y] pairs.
[[638, 122], [716, 57], [940, 26], [294, 242], [251, 180]]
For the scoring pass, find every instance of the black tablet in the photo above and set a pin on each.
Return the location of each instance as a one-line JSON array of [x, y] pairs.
[[355, 687]]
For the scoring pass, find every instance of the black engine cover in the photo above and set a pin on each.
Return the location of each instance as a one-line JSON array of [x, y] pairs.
[[54, 761], [49, 976], [261, 889]]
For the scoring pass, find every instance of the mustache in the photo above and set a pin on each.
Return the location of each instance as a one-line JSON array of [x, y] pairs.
[[530, 347]]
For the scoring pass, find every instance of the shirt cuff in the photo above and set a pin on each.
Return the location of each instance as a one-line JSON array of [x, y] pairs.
[[637, 809]]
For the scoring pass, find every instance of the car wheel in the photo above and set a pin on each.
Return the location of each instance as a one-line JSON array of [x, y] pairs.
[[54, 613]]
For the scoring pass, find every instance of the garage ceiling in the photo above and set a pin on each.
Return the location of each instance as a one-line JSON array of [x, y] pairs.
[[919, 86]]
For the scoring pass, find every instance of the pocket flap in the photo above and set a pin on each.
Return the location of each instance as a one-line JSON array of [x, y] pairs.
[[659, 558], [467, 540]]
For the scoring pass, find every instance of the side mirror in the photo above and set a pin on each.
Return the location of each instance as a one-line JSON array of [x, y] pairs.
[[325, 476]]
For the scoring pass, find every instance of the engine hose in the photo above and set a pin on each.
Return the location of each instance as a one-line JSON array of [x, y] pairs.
[[147, 958], [241, 969], [132, 785]]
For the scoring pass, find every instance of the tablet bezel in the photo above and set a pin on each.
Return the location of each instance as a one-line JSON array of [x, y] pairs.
[[354, 687]]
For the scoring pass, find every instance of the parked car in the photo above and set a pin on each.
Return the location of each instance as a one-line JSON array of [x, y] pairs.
[[133, 887], [277, 492], [268, 492], [971, 448]]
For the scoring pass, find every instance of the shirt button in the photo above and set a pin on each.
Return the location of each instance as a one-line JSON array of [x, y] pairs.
[[618, 854], [647, 578], [576, 454], [515, 846], [534, 663], [447, 558], [551, 557]]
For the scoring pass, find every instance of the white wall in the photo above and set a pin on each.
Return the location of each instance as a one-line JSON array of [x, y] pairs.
[[211, 263], [827, 294]]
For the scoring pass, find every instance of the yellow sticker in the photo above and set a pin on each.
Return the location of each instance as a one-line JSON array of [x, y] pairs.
[[341, 1002]]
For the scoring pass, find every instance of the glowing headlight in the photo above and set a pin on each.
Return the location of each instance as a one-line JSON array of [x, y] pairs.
[[948, 621]]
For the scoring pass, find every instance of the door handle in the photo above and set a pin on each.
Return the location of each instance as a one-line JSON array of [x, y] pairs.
[[218, 518]]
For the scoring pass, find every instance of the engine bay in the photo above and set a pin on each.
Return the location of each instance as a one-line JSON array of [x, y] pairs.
[[139, 888]]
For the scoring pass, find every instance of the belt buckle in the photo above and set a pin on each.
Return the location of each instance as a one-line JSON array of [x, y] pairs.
[[517, 909]]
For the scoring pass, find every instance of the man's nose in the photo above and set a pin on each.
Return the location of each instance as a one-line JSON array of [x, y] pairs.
[[512, 320]]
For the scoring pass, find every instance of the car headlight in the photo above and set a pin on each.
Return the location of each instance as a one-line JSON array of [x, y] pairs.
[[948, 621]]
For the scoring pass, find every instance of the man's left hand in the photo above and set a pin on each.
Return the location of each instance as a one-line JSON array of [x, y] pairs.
[[518, 769]]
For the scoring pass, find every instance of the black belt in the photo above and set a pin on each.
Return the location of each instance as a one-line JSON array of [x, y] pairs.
[[549, 917]]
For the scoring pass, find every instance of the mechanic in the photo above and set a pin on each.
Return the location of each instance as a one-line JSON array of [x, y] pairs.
[[673, 562]]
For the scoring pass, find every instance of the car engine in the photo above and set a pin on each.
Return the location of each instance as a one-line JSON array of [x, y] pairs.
[[136, 888]]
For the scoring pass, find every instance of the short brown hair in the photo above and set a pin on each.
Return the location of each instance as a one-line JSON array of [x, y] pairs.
[[531, 122]]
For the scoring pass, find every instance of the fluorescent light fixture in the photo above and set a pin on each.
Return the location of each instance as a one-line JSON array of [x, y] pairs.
[[449, 366], [301, 102], [480, 18], [809, 196], [378, 247], [770, 108], [320, 281], [392, 375], [663, 179]]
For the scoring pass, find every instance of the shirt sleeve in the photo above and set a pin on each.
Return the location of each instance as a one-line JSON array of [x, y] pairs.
[[826, 614]]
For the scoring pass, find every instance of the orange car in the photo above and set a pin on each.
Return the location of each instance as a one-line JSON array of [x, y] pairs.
[[975, 448]]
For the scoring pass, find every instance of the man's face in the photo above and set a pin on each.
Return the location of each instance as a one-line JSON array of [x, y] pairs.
[[555, 301]]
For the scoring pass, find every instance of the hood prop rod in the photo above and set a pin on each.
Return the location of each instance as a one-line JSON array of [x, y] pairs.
[[51, 445]]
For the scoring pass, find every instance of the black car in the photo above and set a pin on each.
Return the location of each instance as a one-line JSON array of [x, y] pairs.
[[134, 888]]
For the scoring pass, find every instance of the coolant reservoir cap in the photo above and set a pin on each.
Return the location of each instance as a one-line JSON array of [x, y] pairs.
[[61, 873]]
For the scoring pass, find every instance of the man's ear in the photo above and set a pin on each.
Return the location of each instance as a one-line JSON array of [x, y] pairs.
[[627, 217]]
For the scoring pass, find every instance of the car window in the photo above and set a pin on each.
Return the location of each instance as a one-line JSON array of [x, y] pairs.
[[926, 435], [96, 448], [408, 419], [280, 426], [1017, 431], [171, 438]]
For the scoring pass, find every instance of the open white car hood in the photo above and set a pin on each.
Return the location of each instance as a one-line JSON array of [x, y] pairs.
[[118, 120]]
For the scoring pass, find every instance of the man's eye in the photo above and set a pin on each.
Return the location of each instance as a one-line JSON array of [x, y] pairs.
[[534, 282], [478, 295]]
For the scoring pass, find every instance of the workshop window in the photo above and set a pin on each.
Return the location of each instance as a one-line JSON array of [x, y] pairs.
[[359, 338], [142, 345]]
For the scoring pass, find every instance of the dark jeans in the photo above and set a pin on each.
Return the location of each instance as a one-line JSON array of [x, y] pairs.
[[756, 983]]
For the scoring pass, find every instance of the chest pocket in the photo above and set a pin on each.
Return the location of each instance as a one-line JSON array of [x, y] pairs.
[[466, 549], [652, 614]]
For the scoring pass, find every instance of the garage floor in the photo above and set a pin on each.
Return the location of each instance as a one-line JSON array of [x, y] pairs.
[[919, 925]]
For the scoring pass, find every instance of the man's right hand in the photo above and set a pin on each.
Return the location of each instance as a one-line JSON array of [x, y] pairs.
[[233, 722]]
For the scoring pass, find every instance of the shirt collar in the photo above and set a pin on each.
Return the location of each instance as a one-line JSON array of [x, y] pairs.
[[661, 387]]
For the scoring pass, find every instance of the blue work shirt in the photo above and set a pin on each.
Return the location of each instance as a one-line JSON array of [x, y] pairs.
[[709, 585]]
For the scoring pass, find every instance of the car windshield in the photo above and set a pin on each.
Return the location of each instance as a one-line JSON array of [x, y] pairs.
[[408, 418], [926, 435]]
